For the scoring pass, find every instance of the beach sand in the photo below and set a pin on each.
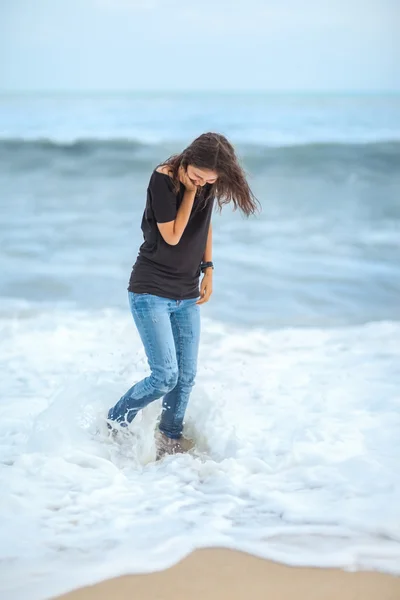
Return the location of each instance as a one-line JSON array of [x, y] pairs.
[[218, 574]]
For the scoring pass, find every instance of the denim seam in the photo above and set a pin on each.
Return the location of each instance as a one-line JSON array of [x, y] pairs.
[[180, 356], [145, 331]]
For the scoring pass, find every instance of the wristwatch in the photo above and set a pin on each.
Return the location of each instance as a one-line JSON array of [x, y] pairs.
[[206, 265]]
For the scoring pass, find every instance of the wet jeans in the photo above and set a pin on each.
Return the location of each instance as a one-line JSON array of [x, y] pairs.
[[170, 332]]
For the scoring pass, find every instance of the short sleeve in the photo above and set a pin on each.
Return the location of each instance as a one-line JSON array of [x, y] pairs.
[[163, 198]]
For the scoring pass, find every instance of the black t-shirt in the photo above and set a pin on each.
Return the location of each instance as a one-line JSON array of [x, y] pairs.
[[162, 269]]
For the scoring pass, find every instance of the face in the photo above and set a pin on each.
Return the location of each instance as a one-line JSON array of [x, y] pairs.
[[201, 176]]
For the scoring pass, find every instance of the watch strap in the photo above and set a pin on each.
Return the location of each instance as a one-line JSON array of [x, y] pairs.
[[206, 265]]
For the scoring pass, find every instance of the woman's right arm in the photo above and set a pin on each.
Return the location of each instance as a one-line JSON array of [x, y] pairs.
[[173, 231]]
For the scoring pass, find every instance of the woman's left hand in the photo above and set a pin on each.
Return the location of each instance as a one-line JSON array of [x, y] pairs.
[[205, 288]]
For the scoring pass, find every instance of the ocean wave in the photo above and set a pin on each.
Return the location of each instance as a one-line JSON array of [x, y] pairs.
[[320, 425], [121, 155]]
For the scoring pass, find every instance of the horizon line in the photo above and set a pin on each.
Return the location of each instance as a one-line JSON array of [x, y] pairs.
[[194, 91]]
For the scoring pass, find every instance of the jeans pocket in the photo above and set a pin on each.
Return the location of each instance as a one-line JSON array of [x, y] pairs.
[[135, 296]]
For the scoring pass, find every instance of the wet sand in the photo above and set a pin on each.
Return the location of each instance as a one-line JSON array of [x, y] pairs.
[[219, 574]]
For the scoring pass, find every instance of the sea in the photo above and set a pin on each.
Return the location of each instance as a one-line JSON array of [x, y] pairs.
[[296, 409]]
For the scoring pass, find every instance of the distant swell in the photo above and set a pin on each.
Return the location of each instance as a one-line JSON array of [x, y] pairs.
[[118, 156], [78, 147]]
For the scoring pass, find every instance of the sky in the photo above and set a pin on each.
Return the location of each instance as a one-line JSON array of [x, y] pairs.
[[222, 45]]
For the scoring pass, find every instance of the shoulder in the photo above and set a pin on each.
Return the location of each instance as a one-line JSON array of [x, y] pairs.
[[164, 170], [161, 182], [162, 176]]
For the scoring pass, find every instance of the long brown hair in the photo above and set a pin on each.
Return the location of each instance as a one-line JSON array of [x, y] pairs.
[[213, 151]]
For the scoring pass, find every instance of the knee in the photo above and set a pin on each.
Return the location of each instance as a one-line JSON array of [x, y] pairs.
[[187, 379], [164, 380]]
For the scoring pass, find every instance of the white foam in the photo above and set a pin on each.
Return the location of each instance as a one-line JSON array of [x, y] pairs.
[[298, 443]]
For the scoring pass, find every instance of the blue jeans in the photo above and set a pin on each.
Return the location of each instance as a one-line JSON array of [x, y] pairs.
[[170, 332]]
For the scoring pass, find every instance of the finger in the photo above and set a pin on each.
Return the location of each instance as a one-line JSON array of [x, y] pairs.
[[204, 299], [201, 299]]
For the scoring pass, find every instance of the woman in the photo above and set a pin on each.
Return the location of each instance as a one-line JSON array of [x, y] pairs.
[[164, 285]]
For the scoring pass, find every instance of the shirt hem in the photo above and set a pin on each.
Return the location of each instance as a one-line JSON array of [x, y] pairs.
[[149, 290]]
